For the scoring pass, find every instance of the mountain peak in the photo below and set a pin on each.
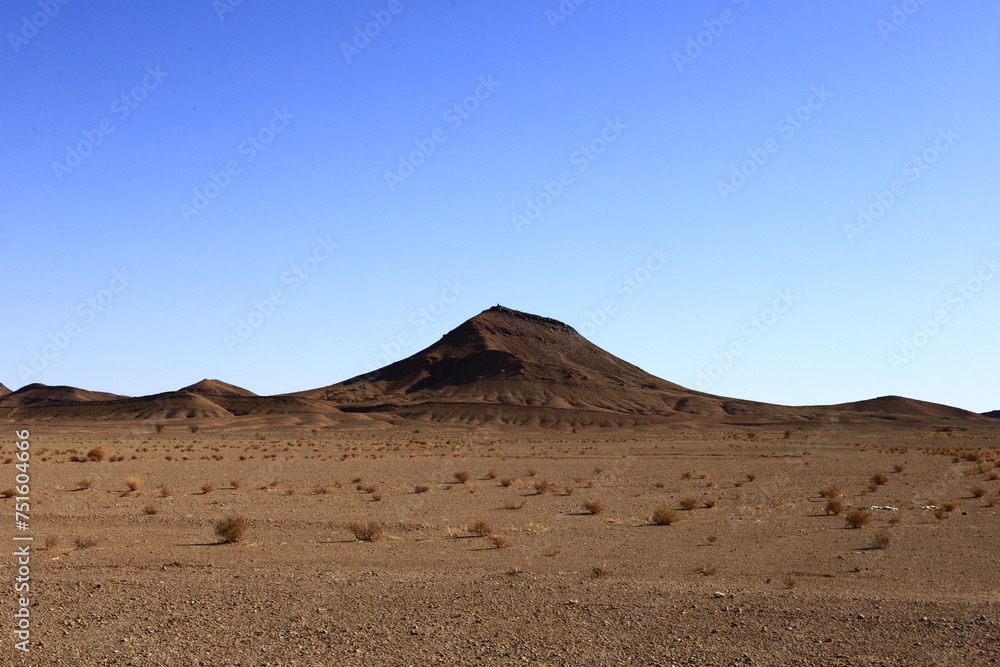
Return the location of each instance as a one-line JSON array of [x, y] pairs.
[[4, 390], [217, 388]]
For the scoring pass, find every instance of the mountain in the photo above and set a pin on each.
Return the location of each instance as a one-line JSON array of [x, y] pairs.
[[513, 367], [993, 414], [40, 394], [4, 390]]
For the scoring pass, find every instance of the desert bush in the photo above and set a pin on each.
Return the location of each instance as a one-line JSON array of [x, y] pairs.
[[151, 509], [712, 539], [660, 485], [663, 516], [365, 531], [543, 486], [687, 475], [421, 488], [507, 481], [978, 491], [207, 488], [709, 503], [882, 539], [949, 506], [499, 541], [134, 483], [85, 483], [84, 542], [858, 518], [165, 491], [598, 572], [491, 474], [899, 467], [51, 542], [235, 483], [462, 476], [879, 478], [193, 428], [320, 491], [830, 492], [532, 472], [97, 454], [689, 503], [894, 521], [230, 528], [480, 529], [8, 493], [940, 514], [751, 477], [159, 427], [594, 506], [834, 506]]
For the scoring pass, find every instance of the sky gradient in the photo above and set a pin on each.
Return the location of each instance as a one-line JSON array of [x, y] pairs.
[[786, 202]]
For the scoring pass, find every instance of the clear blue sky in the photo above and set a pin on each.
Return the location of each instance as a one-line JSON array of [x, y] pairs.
[[300, 120]]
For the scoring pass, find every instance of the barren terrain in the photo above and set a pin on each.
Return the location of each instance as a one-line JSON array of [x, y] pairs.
[[762, 577]]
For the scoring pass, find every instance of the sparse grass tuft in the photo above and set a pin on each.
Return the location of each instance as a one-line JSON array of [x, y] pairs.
[[709, 503], [594, 506], [544, 486], [230, 528], [51, 542], [491, 474], [834, 506], [165, 491], [689, 503], [235, 483], [830, 492], [940, 514], [858, 518], [899, 467], [882, 539], [462, 476], [134, 483], [663, 516], [97, 454], [480, 529], [507, 482], [365, 531], [421, 488], [151, 509], [207, 488], [499, 541], [879, 479], [978, 491], [598, 572], [751, 477], [85, 483], [84, 542], [949, 506]]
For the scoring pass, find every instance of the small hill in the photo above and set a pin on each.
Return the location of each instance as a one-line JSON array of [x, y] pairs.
[[4, 390], [217, 388], [40, 394], [993, 414]]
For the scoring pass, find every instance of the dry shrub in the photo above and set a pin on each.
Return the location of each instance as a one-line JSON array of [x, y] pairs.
[[532, 472], [480, 529], [940, 514], [165, 491], [882, 539], [462, 476], [365, 531], [235, 483], [830, 492], [751, 477], [133, 483], [544, 486], [949, 506], [85, 483], [712, 539], [8, 493], [687, 475], [689, 503], [879, 478], [594, 506], [834, 506], [663, 516], [978, 491], [320, 491], [230, 528], [598, 572], [507, 481], [151, 509], [708, 503], [421, 488], [51, 542], [499, 541], [207, 488], [514, 505], [991, 501], [97, 454], [899, 467], [660, 485], [858, 518], [84, 542], [894, 521], [491, 474]]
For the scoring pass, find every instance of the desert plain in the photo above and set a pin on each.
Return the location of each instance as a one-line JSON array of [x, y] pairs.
[[503, 546]]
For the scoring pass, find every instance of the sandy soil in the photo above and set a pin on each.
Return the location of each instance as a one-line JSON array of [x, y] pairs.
[[764, 577]]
